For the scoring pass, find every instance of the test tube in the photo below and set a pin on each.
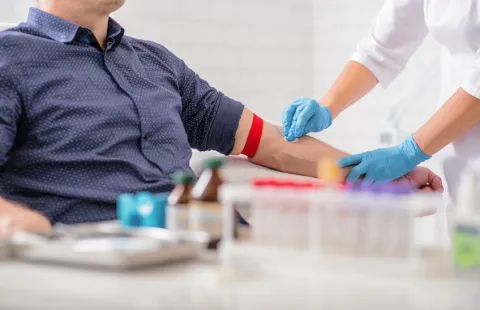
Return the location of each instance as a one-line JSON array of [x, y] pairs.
[[359, 201], [285, 198], [332, 214], [329, 198], [376, 230], [403, 198], [315, 220], [343, 210], [259, 214], [266, 206], [302, 214]]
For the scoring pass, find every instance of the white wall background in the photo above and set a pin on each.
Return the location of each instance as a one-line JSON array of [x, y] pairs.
[[268, 52], [13, 11], [257, 51]]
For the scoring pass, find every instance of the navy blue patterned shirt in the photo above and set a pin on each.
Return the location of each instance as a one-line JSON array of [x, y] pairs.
[[80, 125]]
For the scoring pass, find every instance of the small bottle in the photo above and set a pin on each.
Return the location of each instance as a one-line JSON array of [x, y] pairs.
[[181, 196], [466, 226], [206, 211]]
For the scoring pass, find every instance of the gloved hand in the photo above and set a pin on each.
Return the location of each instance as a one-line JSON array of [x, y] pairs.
[[303, 116], [386, 164]]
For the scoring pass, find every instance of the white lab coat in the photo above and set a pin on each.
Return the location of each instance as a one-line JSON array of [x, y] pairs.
[[399, 29]]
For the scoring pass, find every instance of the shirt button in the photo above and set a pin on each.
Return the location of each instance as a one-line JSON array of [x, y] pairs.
[[110, 44], [148, 136]]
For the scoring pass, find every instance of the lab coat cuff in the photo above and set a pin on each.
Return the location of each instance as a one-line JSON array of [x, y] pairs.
[[384, 75], [472, 85]]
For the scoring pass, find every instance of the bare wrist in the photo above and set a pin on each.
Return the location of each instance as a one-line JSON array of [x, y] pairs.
[[332, 105]]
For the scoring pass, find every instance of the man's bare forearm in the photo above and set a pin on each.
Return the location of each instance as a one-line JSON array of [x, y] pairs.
[[302, 157], [299, 157], [274, 152]]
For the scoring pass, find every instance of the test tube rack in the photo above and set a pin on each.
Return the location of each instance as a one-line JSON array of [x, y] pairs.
[[307, 226]]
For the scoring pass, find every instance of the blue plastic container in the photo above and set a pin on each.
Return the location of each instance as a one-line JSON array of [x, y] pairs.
[[127, 211]]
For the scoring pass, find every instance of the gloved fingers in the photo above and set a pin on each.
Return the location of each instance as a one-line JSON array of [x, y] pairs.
[[300, 100], [350, 160], [357, 172], [304, 116], [287, 117], [291, 133]]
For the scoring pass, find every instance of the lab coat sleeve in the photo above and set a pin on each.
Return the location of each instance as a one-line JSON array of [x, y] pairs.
[[396, 33], [472, 84]]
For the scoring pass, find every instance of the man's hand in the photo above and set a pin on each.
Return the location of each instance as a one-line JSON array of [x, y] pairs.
[[14, 217], [423, 179]]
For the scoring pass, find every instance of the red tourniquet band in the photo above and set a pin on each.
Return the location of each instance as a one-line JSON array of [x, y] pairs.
[[254, 137]]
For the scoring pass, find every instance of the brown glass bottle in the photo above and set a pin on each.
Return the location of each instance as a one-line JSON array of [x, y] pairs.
[[206, 189], [182, 193], [180, 197], [206, 210]]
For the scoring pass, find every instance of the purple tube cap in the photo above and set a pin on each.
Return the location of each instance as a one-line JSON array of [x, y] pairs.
[[399, 189]]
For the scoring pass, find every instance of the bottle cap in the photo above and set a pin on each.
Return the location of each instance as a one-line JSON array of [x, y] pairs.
[[329, 171], [183, 177], [355, 187], [213, 163], [258, 182], [291, 184], [271, 182], [398, 189], [281, 183], [371, 188], [308, 185]]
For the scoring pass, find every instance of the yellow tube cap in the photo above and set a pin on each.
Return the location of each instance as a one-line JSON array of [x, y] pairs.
[[329, 171]]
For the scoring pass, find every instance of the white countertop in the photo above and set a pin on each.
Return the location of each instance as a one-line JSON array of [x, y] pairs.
[[204, 285]]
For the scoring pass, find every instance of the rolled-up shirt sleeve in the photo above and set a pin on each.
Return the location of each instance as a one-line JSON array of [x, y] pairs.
[[395, 34], [10, 106], [472, 83], [210, 118]]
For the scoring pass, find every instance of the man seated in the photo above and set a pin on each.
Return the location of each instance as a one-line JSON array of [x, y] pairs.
[[87, 113]]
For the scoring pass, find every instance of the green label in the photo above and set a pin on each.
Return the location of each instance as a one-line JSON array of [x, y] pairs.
[[467, 247]]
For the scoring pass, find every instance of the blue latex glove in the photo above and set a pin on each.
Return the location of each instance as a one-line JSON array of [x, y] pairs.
[[386, 164], [303, 116]]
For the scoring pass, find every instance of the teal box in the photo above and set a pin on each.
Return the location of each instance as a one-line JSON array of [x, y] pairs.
[[152, 209], [142, 210], [127, 211]]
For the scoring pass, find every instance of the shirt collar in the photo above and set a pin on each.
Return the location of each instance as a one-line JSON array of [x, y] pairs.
[[63, 30]]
